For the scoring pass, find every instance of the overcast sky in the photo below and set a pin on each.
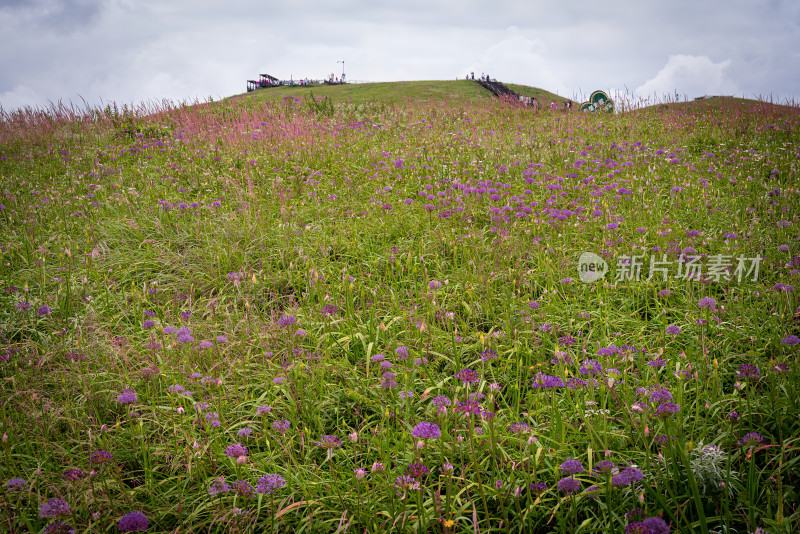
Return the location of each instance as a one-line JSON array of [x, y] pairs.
[[130, 51]]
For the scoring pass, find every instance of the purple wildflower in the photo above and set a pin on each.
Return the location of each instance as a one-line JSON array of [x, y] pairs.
[[329, 442], [537, 488], [572, 467], [665, 409], [54, 507], [72, 474], [59, 527], [604, 467], [673, 330], [236, 450], [519, 428], [467, 376], [569, 485], [243, 488], [426, 430], [656, 525], [406, 482], [270, 483], [630, 475], [469, 407], [417, 470], [133, 522], [660, 395], [488, 354], [543, 381], [281, 425], [218, 487], [748, 370], [440, 400], [637, 528], [16, 484], [287, 320], [101, 458], [128, 396], [707, 302], [752, 439], [41, 311]]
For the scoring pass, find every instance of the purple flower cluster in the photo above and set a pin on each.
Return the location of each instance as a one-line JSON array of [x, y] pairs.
[[128, 396], [426, 430], [543, 381], [329, 442], [628, 476], [751, 440], [467, 376], [287, 320], [572, 467], [665, 409], [236, 450], [101, 458], [133, 522], [748, 370], [59, 527], [218, 487], [54, 507], [569, 485], [417, 470], [269, 483], [651, 525], [519, 428], [72, 474], [281, 425], [16, 484]]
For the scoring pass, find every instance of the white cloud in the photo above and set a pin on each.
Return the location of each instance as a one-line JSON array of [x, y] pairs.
[[20, 96], [689, 76], [518, 59]]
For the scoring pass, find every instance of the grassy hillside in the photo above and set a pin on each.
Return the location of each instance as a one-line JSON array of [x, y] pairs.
[[398, 92], [271, 317]]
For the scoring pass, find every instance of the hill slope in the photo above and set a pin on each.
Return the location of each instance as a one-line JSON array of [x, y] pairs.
[[394, 92]]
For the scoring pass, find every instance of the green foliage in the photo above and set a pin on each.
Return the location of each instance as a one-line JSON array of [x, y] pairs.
[[151, 260]]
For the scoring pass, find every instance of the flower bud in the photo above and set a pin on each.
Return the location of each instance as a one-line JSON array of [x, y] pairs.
[[241, 460], [360, 473], [180, 410], [377, 467], [353, 436]]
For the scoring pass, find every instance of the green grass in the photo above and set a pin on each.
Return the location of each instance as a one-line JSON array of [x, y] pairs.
[[177, 281], [393, 92]]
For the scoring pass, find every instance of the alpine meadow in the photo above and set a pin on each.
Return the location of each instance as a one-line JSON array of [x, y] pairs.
[[400, 308]]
